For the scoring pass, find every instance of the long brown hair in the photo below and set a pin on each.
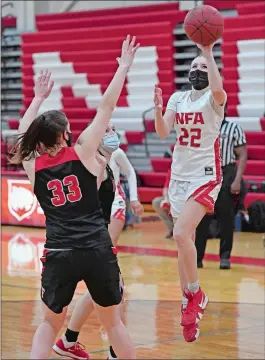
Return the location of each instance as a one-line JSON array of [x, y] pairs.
[[45, 130]]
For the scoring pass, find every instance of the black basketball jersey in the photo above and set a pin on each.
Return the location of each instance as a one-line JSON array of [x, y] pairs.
[[106, 194], [67, 193]]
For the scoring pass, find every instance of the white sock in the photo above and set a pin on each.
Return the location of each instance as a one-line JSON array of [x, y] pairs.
[[194, 287], [184, 301], [66, 343]]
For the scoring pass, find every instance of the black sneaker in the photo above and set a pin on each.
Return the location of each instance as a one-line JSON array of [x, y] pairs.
[[225, 264], [199, 264]]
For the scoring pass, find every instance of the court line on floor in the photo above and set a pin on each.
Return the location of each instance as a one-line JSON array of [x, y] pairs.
[[165, 307], [146, 300], [178, 338], [210, 302], [173, 254], [28, 288]]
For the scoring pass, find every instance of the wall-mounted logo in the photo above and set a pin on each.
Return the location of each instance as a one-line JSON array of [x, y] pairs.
[[21, 201]]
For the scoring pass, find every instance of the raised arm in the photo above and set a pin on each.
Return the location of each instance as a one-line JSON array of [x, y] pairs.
[[163, 124], [214, 77], [43, 88], [91, 137]]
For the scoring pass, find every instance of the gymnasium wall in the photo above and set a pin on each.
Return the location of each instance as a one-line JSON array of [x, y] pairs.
[[11, 8], [61, 6]]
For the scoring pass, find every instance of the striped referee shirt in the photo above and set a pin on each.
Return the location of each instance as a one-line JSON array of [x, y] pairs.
[[231, 137]]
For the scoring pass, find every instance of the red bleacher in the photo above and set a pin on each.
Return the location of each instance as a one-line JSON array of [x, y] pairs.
[[85, 47], [250, 24], [130, 18]]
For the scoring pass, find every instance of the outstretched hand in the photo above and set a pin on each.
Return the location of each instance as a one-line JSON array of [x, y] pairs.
[[158, 99], [43, 85], [206, 50], [128, 52], [137, 208]]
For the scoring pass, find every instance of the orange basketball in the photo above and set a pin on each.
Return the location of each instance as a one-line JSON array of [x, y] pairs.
[[204, 25]]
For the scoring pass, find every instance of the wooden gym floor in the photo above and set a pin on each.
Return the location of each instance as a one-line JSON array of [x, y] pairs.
[[233, 325]]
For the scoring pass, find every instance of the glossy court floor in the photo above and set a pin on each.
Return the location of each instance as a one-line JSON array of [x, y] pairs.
[[233, 325]]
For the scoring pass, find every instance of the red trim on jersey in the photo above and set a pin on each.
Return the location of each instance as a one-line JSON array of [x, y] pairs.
[[119, 214], [46, 161], [202, 193], [114, 250], [121, 191]]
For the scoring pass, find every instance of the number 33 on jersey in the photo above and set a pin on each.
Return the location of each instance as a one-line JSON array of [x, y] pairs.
[[57, 187]]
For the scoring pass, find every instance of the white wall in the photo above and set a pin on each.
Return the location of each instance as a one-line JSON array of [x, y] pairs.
[[52, 6], [8, 8], [61, 6]]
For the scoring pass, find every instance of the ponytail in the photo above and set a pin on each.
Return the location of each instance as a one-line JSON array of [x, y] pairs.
[[25, 147], [43, 131]]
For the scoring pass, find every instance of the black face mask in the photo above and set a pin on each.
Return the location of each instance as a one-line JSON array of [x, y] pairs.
[[70, 139], [198, 79]]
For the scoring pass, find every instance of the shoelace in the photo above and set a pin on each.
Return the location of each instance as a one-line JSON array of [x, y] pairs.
[[79, 346]]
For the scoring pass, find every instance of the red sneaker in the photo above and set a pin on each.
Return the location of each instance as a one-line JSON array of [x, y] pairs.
[[194, 311], [191, 333], [182, 308], [77, 351]]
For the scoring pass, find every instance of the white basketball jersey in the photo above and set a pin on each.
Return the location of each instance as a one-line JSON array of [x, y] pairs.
[[119, 162], [197, 152]]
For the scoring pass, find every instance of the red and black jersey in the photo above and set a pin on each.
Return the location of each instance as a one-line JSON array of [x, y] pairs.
[[68, 195]]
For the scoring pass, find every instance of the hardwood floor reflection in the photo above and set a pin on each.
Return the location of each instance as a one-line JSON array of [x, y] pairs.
[[232, 328]]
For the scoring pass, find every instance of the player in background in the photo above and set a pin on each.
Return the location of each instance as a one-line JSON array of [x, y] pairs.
[[195, 171], [114, 215], [162, 207], [78, 246], [119, 162]]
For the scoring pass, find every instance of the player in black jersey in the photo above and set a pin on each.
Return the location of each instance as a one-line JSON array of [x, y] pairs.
[[106, 194], [106, 182], [78, 246], [68, 344]]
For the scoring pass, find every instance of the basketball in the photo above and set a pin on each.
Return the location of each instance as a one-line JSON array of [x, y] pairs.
[[204, 25]]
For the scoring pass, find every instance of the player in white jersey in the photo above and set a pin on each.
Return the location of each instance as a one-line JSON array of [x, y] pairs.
[[195, 172], [119, 162]]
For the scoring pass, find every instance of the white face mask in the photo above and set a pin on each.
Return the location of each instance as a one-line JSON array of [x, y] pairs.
[[110, 143]]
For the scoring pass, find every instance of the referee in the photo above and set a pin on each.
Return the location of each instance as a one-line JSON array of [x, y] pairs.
[[233, 145]]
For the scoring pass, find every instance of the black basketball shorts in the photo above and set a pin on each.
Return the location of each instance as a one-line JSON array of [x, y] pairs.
[[62, 270]]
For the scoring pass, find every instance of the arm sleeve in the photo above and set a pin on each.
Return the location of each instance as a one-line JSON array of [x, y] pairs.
[[126, 167], [239, 136]]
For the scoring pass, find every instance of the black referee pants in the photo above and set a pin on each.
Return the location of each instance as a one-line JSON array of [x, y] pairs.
[[225, 210]]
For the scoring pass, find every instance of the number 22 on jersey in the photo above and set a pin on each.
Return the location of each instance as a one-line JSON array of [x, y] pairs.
[[59, 197], [190, 137]]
